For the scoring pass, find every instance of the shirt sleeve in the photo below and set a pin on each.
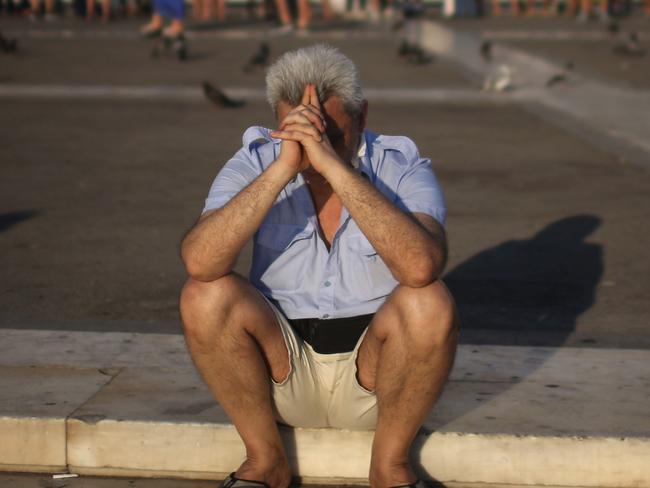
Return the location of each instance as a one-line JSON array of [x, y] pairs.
[[235, 175], [419, 191]]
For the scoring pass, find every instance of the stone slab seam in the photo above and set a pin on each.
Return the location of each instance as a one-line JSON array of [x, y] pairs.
[[113, 373]]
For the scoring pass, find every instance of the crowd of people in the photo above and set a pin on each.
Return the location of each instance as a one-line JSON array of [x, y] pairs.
[[298, 13], [201, 10]]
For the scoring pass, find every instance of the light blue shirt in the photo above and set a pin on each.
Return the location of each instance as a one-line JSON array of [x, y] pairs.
[[291, 263]]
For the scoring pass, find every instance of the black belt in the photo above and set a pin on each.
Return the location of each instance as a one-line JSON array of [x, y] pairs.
[[329, 336]]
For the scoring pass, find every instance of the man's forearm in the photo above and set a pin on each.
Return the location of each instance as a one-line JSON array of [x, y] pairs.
[[414, 255], [211, 247]]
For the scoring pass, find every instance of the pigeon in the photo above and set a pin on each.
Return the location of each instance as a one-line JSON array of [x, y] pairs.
[[258, 60], [398, 25], [405, 49], [555, 79], [176, 46], [418, 56], [613, 27], [500, 79], [486, 51], [562, 76], [219, 98], [631, 48], [8, 45]]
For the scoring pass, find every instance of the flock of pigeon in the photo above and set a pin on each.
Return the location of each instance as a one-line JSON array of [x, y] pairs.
[[260, 59], [501, 78]]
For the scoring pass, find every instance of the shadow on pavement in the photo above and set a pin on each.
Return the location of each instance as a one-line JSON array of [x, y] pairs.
[[541, 284], [522, 286]]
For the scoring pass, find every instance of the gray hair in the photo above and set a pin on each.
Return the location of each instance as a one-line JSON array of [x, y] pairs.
[[333, 73]]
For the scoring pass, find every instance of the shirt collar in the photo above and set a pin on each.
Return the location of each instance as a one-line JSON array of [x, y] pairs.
[[357, 161]]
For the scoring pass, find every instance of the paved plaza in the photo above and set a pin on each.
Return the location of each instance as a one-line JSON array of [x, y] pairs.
[[97, 191], [108, 152]]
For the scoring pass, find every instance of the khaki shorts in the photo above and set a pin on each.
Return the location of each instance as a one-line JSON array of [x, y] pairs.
[[321, 390]]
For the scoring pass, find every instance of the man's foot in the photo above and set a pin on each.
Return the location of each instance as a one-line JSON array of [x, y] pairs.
[[274, 471], [389, 474]]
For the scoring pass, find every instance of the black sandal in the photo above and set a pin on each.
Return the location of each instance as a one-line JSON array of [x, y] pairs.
[[233, 482]]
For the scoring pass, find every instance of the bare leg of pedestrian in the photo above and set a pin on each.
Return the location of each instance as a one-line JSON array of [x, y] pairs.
[[221, 10], [515, 8], [49, 10], [571, 8], [327, 10], [197, 9], [106, 10], [154, 25], [304, 14], [90, 9], [175, 29], [131, 8], [585, 10], [206, 14], [283, 12], [374, 10], [604, 11]]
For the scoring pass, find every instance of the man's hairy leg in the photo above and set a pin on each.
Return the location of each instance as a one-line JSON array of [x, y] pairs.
[[236, 343], [405, 358]]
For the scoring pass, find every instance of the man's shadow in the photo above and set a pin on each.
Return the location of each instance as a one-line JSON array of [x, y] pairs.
[[522, 292], [529, 292]]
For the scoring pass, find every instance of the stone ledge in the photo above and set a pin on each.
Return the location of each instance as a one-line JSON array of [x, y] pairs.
[[133, 405]]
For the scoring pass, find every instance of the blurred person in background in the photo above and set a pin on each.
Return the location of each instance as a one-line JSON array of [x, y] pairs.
[[91, 7], [166, 9], [49, 14], [304, 14], [586, 8], [204, 10]]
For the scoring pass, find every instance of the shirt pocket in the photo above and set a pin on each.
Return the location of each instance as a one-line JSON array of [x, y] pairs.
[[367, 278], [280, 237], [283, 258], [359, 244]]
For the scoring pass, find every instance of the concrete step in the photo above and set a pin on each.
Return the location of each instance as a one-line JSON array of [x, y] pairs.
[[127, 404]]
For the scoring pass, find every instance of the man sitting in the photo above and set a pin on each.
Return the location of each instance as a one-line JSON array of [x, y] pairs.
[[344, 321]]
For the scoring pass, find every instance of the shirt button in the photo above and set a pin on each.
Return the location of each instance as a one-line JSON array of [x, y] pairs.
[[327, 283], [326, 316]]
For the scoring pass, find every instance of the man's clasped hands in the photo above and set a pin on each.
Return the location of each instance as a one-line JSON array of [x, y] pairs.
[[304, 136]]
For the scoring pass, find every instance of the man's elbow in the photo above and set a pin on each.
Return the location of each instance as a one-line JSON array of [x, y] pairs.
[[199, 274], [424, 272], [197, 269], [418, 278]]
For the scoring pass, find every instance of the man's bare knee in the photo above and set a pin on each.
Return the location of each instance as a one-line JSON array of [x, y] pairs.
[[222, 310], [206, 307], [428, 314]]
